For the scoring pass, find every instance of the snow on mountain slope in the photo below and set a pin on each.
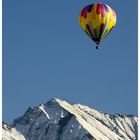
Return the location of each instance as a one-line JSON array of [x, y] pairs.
[[59, 120], [9, 133]]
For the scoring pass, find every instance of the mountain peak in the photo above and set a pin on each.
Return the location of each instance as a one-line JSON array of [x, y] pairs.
[[58, 119], [54, 101]]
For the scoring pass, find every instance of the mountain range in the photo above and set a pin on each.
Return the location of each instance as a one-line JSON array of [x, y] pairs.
[[60, 120]]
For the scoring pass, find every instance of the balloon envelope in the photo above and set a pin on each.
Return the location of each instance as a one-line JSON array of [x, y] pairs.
[[97, 20]]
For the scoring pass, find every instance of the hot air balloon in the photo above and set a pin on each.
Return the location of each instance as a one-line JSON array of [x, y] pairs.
[[97, 20]]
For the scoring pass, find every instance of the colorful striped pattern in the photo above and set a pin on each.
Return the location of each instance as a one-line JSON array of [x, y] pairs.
[[97, 20]]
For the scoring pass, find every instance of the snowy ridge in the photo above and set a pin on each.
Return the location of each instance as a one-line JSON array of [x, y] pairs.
[[96, 129], [41, 107], [122, 125], [59, 120], [9, 133]]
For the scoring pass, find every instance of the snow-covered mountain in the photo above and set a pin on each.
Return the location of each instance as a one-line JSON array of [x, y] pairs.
[[9, 133], [59, 120]]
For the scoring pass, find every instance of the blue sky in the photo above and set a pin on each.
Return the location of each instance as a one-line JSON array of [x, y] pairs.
[[46, 54]]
